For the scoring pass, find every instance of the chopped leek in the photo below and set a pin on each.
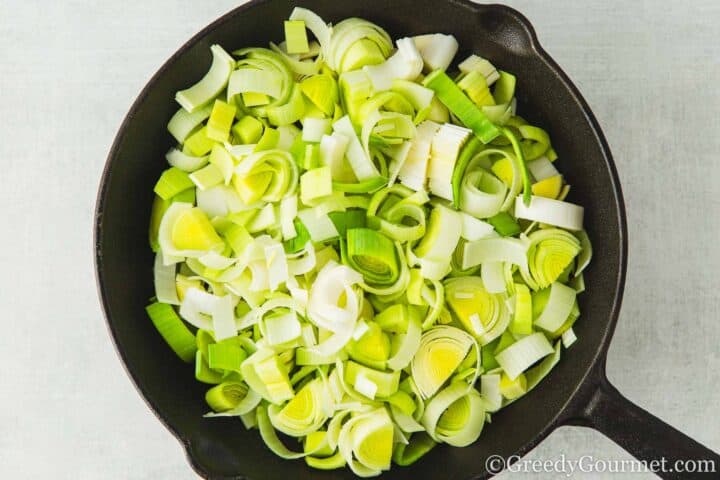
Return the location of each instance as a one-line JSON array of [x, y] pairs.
[[374, 261]]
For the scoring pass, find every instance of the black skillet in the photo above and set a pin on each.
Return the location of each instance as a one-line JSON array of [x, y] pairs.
[[577, 391]]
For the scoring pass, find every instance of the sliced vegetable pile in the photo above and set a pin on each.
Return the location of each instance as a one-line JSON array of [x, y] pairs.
[[359, 248]]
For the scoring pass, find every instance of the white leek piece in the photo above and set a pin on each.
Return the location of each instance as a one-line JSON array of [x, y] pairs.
[[203, 92], [557, 309], [446, 146], [553, 212], [516, 358], [437, 50], [405, 64], [413, 172]]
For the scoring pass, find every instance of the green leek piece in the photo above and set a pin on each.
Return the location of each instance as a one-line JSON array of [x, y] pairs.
[[211, 84], [297, 243], [419, 444], [159, 207], [172, 330], [476, 88], [193, 231], [225, 355], [207, 177], [198, 144], [269, 176], [398, 212], [512, 389], [466, 154], [527, 187], [505, 224], [255, 99], [203, 372], [481, 313], [317, 443], [171, 182], [346, 34], [385, 382], [535, 142], [315, 183], [551, 251], [442, 349], [268, 140], [373, 255], [296, 37], [328, 463], [290, 112], [322, 91], [352, 218], [183, 123], [461, 106], [522, 318], [504, 88], [372, 348], [184, 162], [456, 415], [248, 129], [220, 121], [303, 414], [264, 373], [226, 396]]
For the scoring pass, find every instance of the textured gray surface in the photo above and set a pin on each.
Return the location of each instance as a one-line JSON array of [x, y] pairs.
[[69, 71]]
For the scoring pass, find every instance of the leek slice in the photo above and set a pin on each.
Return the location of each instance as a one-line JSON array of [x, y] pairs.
[[479, 64], [366, 442], [264, 374], [314, 23], [550, 211], [295, 36], [405, 64], [413, 172], [446, 147], [171, 182], [437, 50], [183, 123], [361, 164], [585, 255], [322, 91], [419, 444], [451, 95], [481, 313], [441, 237], [516, 358], [303, 414], [214, 81], [455, 416], [375, 41], [559, 304], [184, 162], [269, 176], [172, 330], [373, 255], [442, 349], [550, 252]]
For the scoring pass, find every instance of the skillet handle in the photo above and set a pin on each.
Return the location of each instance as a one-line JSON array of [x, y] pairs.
[[645, 436]]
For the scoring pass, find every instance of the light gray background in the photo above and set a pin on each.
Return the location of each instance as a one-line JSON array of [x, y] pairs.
[[69, 71]]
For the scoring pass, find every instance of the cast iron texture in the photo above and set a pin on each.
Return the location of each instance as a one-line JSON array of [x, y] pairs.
[[575, 392]]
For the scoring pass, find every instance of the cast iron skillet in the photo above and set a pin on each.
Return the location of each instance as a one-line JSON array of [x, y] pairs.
[[577, 392]]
